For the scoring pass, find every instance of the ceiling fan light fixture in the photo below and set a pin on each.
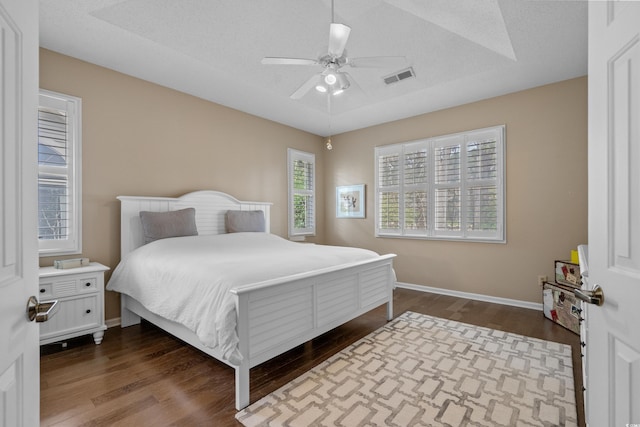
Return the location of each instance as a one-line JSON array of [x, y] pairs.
[[343, 81], [330, 79]]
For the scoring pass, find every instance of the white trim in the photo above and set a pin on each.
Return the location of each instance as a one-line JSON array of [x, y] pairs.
[[471, 296], [112, 323]]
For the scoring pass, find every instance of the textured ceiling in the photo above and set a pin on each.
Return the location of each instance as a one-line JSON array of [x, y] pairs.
[[460, 50]]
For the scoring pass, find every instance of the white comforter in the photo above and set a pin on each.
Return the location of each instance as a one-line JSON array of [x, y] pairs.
[[187, 279]]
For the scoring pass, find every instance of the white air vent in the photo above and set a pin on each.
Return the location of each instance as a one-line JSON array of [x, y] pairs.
[[399, 75]]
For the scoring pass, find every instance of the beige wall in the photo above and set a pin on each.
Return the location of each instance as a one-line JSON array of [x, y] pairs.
[[143, 139], [546, 152]]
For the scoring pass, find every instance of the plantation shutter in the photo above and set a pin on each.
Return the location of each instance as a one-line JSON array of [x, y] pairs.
[[58, 174], [483, 204], [415, 189], [302, 193], [388, 190], [53, 176], [449, 187]]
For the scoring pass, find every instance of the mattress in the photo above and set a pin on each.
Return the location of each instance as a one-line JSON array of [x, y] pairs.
[[188, 279]]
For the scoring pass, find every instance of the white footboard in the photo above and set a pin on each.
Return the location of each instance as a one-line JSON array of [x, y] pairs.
[[275, 316]]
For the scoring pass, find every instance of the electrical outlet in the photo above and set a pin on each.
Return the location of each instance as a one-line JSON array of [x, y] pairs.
[[541, 280]]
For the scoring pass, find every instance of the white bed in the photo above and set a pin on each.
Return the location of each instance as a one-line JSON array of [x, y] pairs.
[[264, 309]]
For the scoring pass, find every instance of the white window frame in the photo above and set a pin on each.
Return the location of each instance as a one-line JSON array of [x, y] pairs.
[[430, 187], [292, 157], [72, 107]]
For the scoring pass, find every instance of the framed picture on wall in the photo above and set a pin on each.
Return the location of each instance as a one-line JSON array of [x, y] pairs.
[[350, 201]]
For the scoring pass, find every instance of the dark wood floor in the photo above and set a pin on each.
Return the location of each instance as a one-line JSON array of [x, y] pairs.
[[140, 376]]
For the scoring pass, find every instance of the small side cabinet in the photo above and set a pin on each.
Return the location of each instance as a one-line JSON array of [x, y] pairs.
[[80, 295]]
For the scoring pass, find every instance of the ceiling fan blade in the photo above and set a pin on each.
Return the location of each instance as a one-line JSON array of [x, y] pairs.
[[270, 60], [377, 62], [338, 37], [306, 87]]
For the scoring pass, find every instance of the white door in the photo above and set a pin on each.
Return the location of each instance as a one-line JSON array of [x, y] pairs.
[[613, 329], [19, 353]]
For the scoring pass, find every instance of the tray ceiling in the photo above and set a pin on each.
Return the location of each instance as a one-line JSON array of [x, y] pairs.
[[460, 51]]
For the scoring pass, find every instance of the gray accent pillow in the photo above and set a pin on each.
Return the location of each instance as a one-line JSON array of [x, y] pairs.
[[241, 221], [160, 225]]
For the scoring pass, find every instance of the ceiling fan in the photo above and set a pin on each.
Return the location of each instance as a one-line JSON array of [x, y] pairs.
[[332, 79]]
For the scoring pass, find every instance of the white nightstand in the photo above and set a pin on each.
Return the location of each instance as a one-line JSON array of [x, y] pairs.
[[80, 295]]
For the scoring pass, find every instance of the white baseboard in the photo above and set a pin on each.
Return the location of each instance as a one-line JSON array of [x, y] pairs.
[[112, 322], [468, 295], [478, 297]]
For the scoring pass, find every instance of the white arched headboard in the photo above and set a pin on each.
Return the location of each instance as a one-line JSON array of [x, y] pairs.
[[210, 206]]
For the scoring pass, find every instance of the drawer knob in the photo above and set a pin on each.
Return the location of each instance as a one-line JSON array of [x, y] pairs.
[[87, 284], [88, 311], [43, 290]]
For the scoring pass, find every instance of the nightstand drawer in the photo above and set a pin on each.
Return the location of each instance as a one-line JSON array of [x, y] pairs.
[[73, 315], [87, 285], [65, 288], [46, 291], [57, 289]]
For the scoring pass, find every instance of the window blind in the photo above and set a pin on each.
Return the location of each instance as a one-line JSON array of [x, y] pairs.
[[414, 188], [53, 191], [482, 191], [388, 191], [59, 218], [52, 137], [448, 187], [302, 199], [303, 194]]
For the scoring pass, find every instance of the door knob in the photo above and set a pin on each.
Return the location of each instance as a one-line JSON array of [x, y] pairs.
[[41, 311], [595, 296]]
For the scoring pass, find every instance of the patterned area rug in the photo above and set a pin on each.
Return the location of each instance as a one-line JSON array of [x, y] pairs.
[[419, 370]]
